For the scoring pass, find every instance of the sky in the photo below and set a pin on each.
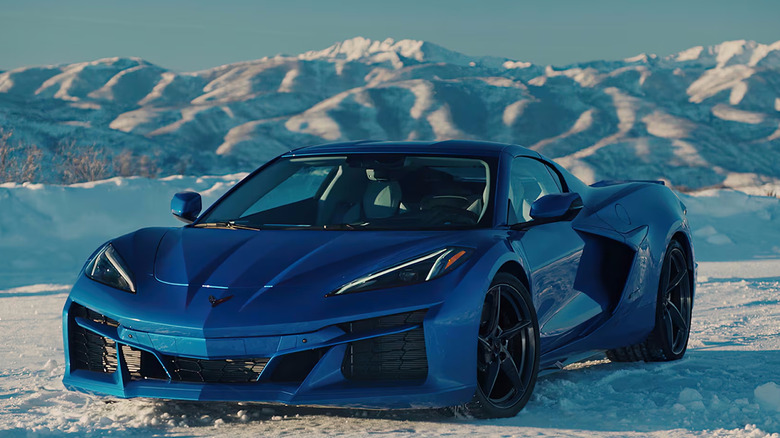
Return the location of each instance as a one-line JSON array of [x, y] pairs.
[[189, 35]]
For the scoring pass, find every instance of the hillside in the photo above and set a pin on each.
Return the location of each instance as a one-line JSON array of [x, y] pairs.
[[707, 116]]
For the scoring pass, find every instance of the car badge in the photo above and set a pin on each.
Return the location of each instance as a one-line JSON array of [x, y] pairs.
[[216, 302]]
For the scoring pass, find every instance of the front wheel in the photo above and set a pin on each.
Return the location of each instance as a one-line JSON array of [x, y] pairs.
[[507, 350]]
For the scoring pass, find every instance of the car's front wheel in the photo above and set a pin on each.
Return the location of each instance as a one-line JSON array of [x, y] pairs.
[[507, 351]]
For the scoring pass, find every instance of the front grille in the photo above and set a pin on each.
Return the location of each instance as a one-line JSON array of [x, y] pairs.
[[88, 350], [187, 369], [400, 356]]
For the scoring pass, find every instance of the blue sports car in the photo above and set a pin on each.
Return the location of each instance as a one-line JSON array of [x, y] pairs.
[[385, 275]]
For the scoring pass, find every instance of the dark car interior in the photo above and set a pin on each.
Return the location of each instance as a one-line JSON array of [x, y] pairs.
[[368, 192]]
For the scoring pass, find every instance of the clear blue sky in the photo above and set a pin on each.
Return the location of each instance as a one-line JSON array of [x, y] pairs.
[[187, 35]]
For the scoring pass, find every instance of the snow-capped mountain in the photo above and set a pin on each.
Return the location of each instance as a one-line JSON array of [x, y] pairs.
[[706, 116], [398, 53]]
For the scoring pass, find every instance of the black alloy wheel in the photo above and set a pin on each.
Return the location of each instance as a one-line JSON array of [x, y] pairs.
[[507, 350], [675, 303], [669, 339]]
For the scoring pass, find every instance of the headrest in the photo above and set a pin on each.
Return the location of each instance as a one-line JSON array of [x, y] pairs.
[[382, 199], [377, 174]]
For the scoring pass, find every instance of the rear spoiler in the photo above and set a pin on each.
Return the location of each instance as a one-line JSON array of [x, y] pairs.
[[614, 182]]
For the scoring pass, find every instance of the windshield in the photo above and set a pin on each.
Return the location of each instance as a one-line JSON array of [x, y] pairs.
[[388, 191]]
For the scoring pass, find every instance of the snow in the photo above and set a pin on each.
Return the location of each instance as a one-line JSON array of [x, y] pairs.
[[187, 115], [514, 110], [516, 64], [35, 288], [731, 225], [442, 124], [132, 120], [109, 90], [729, 53], [316, 120], [423, 93], [397, 53], [47, 232], [728, 50], [289, 81], [722, 100], [738, 93], [359, 47], [587, 77], [768, 396], [642, 57], [236, 135], [661, 124], [159, 88], [727, 385], [690, 54], [726, 112], [626, 110], [716, 80], [762, 51], [583, 123]]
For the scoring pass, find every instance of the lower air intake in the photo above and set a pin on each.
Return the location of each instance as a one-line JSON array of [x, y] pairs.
[[88, 350], [400, 356], [187, 369], [142, 364], [92, 352]]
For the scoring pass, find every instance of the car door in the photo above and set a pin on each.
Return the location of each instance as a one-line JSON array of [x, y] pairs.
[[552, 251]]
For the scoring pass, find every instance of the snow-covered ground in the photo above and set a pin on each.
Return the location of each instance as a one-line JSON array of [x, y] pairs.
[[727, 385]]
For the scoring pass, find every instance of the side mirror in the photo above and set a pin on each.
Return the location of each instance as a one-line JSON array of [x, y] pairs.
[[185, 206], [556, 206]]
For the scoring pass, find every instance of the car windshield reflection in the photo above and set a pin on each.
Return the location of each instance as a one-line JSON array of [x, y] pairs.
[[360, 192]]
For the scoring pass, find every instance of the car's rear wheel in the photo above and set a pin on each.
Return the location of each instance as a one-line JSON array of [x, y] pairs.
[[669, 340], [507, 351]]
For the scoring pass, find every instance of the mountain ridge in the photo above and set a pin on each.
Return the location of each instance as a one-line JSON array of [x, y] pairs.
[[705, 116]]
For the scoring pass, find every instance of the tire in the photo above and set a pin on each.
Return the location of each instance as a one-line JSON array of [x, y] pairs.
[[507, 358], [669, 339]]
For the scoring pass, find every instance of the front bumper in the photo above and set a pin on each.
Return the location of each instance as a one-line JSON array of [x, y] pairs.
[[399, 360]]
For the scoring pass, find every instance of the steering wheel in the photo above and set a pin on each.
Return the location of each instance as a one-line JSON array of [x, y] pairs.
[[454, 215]]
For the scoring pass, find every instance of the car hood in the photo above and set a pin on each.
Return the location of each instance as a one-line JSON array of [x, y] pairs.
[[247, 259], [268, 282]]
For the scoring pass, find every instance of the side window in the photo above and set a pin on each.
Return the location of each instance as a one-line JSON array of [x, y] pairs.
[[529, 180], [555, 177]]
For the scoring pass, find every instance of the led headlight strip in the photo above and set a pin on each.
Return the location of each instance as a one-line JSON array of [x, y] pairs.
[[420, 269]]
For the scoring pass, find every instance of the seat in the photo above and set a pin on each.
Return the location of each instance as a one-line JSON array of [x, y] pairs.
[[381, 199]]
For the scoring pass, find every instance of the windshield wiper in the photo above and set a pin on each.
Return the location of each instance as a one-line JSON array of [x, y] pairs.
[[226, 224], [237, 226], [352, 226]]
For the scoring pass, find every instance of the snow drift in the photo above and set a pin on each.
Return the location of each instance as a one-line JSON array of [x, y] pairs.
[[48, 231]]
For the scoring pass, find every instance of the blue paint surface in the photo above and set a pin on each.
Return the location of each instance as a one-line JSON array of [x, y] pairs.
[[278, 280]]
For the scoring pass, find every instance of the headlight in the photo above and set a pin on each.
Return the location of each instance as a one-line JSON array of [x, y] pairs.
[[417, 270], [107, 267]]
